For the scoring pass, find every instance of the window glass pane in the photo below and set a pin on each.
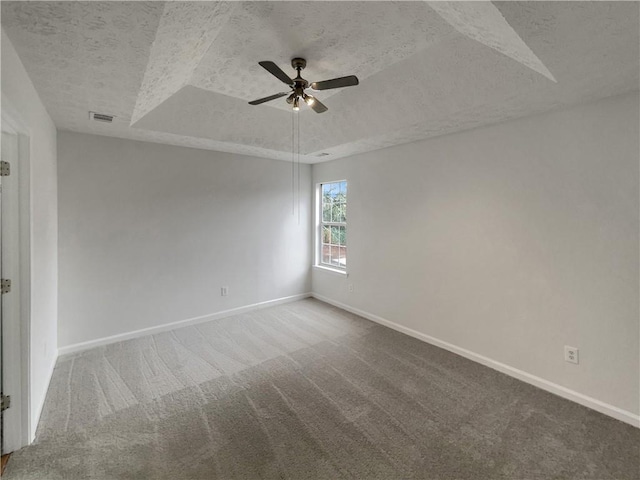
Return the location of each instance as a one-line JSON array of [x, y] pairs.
[[326, 234], [340, 212], [335, 235], [343, 256], [326, 254], [343, 236], [335, 255], [326, 211]]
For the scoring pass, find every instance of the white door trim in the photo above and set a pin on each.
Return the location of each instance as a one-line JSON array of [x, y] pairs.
[[19, 432]]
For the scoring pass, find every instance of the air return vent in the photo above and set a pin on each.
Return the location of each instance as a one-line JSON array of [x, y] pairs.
[[101, 117]]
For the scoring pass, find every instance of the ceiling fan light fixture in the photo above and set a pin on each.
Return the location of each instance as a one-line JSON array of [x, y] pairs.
[[296, 105], [309, 99]]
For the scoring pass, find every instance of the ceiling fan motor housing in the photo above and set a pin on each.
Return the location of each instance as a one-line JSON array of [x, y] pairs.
[[299, 83], [298, 63]]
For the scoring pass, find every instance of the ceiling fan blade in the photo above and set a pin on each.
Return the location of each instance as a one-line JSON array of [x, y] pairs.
[[348, 81], [275, 70], [268, 99], [318, 106]]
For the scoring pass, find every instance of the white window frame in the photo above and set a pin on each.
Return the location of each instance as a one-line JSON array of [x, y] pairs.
[[319, 224]]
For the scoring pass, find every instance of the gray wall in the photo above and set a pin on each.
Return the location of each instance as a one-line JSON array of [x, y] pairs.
[[149, 233], [19, 94], [510, 241]]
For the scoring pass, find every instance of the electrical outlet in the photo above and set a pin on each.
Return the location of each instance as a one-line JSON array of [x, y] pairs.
[[350, 287], [224, 291], [571, 354]]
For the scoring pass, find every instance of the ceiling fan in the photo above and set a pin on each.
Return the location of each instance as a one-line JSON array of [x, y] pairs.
[[298, 86]]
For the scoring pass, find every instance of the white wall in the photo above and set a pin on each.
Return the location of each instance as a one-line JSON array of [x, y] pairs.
[[510, 241], [19, 94], [149, 233]]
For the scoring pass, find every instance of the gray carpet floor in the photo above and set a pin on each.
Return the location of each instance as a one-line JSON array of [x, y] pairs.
[[308, 391]]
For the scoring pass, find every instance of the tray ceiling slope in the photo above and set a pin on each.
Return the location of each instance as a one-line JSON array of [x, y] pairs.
[[181, 73]]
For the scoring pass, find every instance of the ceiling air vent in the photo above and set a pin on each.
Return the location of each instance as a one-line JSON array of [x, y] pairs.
[[101, 117], [323, 154]]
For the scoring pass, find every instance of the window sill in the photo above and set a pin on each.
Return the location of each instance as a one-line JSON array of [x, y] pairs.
[[331, 270]]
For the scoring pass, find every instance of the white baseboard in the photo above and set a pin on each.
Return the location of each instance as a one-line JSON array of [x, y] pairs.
[[590, 402], [77, 347], [33, 422]]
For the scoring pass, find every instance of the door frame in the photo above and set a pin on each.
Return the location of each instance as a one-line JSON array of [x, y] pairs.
[[20, 432]]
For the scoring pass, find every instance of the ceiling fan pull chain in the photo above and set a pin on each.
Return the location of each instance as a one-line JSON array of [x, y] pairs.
[[298, 169], [293, 153]]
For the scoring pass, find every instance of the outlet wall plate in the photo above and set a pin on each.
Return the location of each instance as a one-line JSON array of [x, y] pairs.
[[224, 291], [571, 354]]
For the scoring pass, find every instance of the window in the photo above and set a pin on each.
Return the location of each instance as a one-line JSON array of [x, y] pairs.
[[333, 225]]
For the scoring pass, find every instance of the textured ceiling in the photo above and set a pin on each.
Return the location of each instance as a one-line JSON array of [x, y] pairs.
[[182, 72]]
